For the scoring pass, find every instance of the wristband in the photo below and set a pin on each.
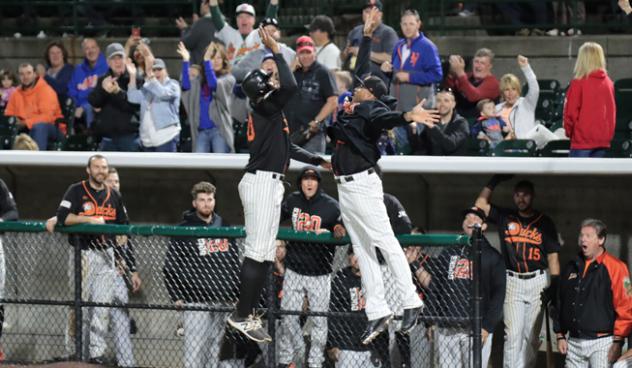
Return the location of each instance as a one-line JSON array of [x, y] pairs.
[[561, 338]]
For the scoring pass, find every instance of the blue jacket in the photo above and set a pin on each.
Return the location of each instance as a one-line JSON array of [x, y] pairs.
[[60, 82], [423, 64], [163, 100], [84, 79]]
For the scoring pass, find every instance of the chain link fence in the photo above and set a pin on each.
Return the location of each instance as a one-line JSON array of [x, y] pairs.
[[64, 303]]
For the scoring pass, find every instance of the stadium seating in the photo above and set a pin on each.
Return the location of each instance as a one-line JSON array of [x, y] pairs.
[[558, 148], [623, 98], [515, 148]]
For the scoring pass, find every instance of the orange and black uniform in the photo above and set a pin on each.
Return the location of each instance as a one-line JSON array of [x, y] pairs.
[[526, 240], [83, 200], [594, 299]]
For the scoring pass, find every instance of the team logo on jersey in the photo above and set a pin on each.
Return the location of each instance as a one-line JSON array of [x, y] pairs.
[[515, 233], [459, 268], [207, 247], [88, 209], [627, 286]]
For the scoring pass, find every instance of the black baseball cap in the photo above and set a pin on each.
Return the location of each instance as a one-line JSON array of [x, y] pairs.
[[476, 211], [373, 3], [374, 84], [269, 22]]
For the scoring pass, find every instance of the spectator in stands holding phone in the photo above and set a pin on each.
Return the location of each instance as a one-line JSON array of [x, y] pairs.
[[57, 71], [589, 110], [159, 100], [133, 52], [207, 98], [84, 79], [36, 107], [469, 88], [117, 120]]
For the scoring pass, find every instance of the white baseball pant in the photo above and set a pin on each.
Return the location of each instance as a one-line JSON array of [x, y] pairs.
[[365, 218], [119, 318], [422, 350], [261, 195], [98, 275], [354, 359], [3, 271], [203, 332], [523, 315], [454, 348], [317, 289], [584, 353]]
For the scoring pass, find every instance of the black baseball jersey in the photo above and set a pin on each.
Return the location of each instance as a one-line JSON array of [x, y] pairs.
[[268, 133], [319, 212], [8, 208], [201, 270], [449, 289], [526, 241], [345, 332], [83, 200]]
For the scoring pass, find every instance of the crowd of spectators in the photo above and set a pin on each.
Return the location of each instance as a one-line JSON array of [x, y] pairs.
[[125, 99]]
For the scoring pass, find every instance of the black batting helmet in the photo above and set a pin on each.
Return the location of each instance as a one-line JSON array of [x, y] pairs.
[[256, 85]]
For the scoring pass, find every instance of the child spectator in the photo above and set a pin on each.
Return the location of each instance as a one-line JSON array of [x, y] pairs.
[[489, 126], [590, 111], [344, 83], [8, 80]]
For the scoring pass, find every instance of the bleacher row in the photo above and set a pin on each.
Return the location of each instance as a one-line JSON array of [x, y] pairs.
[[548, 112]]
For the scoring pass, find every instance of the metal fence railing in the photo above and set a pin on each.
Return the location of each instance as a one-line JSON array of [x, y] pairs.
[[62, 302]]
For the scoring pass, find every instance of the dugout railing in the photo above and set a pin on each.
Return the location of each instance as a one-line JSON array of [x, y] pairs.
[[67, 304]]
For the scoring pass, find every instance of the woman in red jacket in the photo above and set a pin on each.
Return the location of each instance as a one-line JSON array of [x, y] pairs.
[[589, 111]]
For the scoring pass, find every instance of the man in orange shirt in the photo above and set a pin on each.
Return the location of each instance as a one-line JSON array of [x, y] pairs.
[[36, 107]]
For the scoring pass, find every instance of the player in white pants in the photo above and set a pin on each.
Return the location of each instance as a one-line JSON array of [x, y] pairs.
[[8, 212]]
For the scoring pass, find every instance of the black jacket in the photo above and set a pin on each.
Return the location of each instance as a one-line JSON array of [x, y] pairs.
[[355, 134], [442, 140], [449, 290], [594, 300], [202, 270], [319, 212], [268, 132], [118, 116]]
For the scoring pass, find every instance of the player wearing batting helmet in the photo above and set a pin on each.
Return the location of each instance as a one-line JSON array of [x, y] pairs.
[[594, 303], [261, 188], [530, 247], [360, 192]]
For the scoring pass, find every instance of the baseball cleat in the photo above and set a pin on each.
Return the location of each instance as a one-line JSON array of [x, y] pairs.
[[250, 326], [409, 320], [375, 328]]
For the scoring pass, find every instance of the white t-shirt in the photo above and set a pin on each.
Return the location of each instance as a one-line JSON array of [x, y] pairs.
[[329, 56]]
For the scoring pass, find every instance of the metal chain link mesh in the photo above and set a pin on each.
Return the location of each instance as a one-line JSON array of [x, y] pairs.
[[315, 320]]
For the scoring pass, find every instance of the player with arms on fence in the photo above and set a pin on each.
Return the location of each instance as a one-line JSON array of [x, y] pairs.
[[355, 156], [530, 246], [93, 202], [261, 188]]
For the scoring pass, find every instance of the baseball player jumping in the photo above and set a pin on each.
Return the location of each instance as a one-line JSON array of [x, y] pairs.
[[360, 192], [594, 304], [261, 188], [530, 247]]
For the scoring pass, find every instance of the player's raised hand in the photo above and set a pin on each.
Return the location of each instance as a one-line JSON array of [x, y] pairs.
[[268, 41], [372, 22], [419, 114]]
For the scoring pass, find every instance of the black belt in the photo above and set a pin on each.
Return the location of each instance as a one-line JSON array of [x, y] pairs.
[[348, 178], [525, 276], [275, 176]]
